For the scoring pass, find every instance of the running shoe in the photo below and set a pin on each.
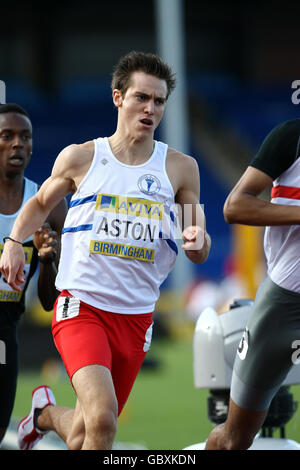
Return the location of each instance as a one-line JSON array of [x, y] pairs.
[[28, 432]]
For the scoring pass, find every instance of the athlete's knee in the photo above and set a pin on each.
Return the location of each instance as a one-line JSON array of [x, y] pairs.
[[103, 422]]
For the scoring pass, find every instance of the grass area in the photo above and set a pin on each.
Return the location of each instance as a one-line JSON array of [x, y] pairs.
[[164, 411]]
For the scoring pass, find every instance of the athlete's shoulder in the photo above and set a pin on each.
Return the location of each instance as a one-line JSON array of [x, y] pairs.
[[175, 158], [285, 129], [279, 149], [78, 151], [182, 170], [74, 156], [289, 124]]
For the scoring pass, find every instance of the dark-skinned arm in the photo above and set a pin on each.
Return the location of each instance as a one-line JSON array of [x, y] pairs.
[[243, 205], [48, 241]]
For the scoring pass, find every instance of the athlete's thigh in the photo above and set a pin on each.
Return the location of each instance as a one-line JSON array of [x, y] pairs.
[[95, 389], [130, 344], [124, 374], [80, 336], [264, 356]]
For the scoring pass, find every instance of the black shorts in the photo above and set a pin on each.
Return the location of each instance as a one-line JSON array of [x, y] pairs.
[[8, 371], [265, 354]]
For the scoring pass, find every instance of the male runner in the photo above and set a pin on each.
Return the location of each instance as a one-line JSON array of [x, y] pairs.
[[264, 356], [118, 246], [15, 191]]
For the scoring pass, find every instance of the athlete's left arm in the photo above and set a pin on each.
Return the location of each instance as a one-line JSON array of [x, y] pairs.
[[196, 240], [47, 241]]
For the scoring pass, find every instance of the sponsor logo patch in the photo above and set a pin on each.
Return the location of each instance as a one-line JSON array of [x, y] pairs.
[[131, 206], [243, 345], [67, 307], [149, 184], [121, 250]]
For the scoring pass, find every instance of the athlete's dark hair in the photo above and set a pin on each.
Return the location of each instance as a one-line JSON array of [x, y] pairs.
[[148, 63], [13, 108]]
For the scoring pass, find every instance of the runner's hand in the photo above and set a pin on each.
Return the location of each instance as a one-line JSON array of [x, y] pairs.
[[45, 241], [12, 264]]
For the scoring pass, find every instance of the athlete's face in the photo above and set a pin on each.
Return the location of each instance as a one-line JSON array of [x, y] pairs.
[[142, 107], [15, 143]]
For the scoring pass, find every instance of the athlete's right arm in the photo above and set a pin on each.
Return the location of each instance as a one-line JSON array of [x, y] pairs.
[[276, 154], [243, 205], [62, 181]]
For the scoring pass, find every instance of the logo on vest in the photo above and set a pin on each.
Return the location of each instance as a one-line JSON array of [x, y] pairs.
[[243, 345], [149, 184], [67, 307]]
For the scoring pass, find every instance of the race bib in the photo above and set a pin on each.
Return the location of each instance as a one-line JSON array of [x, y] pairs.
[[126, 227], [7, 294]]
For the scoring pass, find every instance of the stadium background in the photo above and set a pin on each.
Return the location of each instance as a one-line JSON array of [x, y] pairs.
[[240, 60]]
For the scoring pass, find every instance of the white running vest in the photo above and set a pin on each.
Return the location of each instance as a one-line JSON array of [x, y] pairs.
[[118, 241], [282, 243]]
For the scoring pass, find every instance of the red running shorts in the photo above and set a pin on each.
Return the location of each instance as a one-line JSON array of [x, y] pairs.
[[85, 335]]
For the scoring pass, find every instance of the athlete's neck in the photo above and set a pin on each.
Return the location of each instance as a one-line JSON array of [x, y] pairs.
[[11, 194], [11, 183], [131, 151]]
